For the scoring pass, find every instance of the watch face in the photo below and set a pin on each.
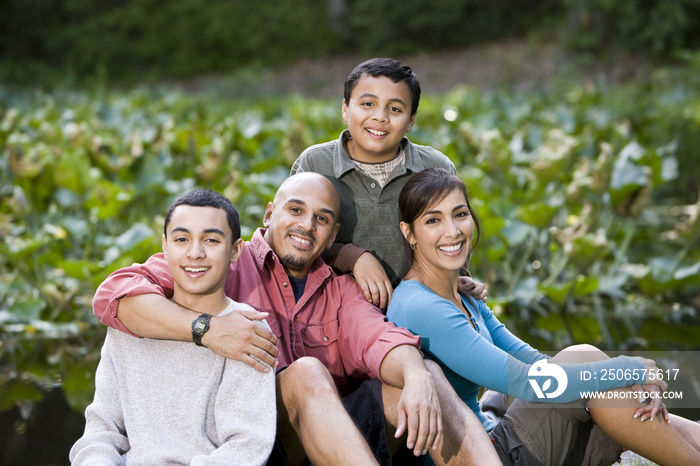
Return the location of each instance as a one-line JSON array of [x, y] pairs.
[[200, 325]]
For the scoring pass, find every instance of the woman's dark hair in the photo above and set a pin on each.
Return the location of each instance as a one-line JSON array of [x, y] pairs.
[[389, 68], [208, 198], [424, 189]]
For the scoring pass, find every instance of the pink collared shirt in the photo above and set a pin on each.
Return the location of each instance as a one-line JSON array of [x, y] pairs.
[[332, 321]]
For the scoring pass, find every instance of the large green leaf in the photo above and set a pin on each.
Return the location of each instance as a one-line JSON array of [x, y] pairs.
[[79, 385], [16, 392]]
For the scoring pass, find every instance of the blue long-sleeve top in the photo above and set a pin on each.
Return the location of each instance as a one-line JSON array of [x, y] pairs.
[[490, 356]]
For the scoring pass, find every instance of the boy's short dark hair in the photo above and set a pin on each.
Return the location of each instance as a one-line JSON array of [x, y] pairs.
[[208, 198], [387, 67]]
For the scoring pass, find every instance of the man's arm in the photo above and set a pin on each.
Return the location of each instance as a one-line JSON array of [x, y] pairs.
[[234, 336], [418, 409], [134, 300]]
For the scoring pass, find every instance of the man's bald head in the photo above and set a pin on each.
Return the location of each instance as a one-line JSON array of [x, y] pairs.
[[310, 183], [302, 221]]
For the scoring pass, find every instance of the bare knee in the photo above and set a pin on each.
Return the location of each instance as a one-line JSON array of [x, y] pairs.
[[304, 381], [451, 403], [307, 375], [579, 353], [436, 371]]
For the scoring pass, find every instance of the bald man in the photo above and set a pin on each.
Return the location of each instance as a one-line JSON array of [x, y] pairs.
[[345, 376]]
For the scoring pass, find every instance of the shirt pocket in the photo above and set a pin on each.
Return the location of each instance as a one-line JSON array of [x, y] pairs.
[[320, 335]]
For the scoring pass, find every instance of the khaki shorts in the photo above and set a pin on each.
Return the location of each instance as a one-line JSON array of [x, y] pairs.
[[552, 434]]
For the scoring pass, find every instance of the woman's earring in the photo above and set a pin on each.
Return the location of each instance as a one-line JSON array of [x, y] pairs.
[[413, 246]]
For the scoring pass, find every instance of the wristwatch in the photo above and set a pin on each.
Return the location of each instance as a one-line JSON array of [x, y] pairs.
[[200, 325]]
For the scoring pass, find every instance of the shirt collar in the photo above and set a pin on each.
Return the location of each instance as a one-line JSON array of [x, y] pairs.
[[264, 253], [342, 162]]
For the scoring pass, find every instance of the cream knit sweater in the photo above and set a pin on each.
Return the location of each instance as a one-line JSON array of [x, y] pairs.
[[171, 402]]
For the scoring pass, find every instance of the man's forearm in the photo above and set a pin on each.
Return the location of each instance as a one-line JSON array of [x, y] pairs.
[[399, 363], [154, 316]]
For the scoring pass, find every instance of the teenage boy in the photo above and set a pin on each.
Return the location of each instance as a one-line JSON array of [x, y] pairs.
[[171, 402], [349, 375], [368, 165]]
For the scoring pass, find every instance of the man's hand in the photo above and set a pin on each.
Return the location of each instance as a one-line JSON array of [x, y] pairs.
[[373, 281], [474, 289], [237, 336], [419, 414], [418, 411]]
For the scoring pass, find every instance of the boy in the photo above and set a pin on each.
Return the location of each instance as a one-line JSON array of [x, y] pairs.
[[160, 401], [368, 165]]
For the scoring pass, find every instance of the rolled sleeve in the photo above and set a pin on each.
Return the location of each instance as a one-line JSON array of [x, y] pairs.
[[153, 277], [366, 336]]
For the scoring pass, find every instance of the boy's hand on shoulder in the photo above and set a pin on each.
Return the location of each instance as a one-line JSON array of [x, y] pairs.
[[474, 289], [373, 281], [237, 336]]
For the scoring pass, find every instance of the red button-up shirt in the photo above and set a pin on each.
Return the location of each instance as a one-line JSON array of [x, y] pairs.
[[332, 321]]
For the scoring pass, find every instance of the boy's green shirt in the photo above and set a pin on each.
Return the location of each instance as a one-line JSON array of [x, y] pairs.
[[369, 213]]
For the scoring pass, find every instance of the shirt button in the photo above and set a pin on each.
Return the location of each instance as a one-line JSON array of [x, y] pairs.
[[325, 338], [373, 185], [285, 284]]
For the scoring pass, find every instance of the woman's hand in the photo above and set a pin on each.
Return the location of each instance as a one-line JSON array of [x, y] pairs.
[[650, 396], [651, 368], [650, 393]]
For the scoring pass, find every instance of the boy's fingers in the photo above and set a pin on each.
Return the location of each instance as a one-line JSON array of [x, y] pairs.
[[384, 296]]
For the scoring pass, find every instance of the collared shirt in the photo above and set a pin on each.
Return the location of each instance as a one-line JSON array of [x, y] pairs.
[[332, 321], [369, 212], [381, 171]]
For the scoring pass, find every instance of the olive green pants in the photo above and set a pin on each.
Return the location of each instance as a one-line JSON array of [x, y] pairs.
[[551, 434]]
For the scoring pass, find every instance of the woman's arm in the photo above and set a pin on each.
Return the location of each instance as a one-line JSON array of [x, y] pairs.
[[449, 337]]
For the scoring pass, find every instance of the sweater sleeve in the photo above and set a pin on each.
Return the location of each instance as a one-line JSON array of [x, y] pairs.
[[246, 417], [151, 277], [104, 441], [502, 365]]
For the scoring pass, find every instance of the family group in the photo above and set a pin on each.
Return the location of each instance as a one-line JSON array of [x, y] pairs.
[[347, 330]]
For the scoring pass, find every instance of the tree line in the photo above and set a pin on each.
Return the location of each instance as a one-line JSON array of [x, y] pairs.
[[133, 39]]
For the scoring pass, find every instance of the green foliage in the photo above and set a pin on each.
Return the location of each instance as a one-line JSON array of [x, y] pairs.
[[141, 40], [590, 230], [655, 26], [386, 27], [580, 243], [138, 39]]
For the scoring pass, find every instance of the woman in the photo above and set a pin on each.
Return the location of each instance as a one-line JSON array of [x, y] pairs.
[[548, 423]]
